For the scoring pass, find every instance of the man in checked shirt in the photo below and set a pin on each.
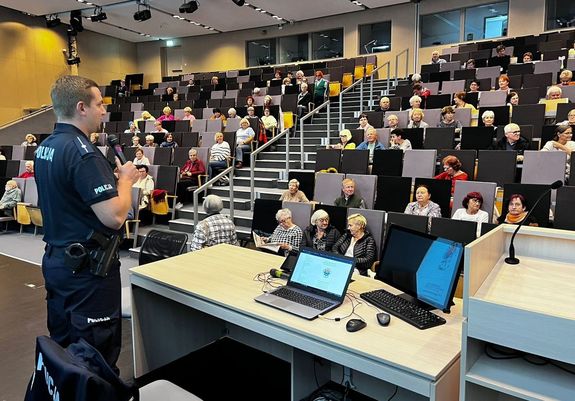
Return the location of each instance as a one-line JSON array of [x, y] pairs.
[[214, 229]]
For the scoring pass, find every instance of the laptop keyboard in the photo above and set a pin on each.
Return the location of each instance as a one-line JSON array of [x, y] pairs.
[[301, 299], [403, 309]]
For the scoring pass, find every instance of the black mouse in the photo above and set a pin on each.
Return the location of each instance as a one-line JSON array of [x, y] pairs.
[[383, 318], [355, 325]]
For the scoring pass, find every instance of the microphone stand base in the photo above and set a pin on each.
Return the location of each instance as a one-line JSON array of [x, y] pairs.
[[512, 261]]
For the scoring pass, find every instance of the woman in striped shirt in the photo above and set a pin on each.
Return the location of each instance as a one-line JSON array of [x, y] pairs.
[[219, 155]]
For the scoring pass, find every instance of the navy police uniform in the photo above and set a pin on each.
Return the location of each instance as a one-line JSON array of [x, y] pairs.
[[71, 175]]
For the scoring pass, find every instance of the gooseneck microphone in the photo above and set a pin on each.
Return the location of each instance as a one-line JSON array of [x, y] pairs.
[[512, 260], [114, 143], [279, 274]]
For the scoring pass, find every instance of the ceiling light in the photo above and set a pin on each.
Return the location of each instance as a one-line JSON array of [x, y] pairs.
[[142, 15], [189, 7], [53, 21], [98, 15], [76, 20], [239, 3]]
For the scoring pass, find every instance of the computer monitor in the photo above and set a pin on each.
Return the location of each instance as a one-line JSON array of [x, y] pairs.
[[135, 79], [423, 266]]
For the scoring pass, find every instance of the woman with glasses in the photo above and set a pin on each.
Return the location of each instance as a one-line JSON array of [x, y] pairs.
[[286, 234], [344, 141], [452, 171], [471, 210], [562, 141], [512, 140], [320, 234]]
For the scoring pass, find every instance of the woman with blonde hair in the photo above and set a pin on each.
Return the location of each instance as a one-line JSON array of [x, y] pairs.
[[358, 243], [344, 141], [30, 140], [167, 116], [416, 120]]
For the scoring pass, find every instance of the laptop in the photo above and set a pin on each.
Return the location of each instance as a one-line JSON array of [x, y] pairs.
[[317, 284]]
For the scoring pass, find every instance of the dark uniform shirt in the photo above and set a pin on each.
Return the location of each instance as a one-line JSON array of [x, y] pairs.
[[71, 176]]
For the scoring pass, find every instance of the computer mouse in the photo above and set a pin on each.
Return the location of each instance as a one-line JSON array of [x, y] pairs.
[[355, 325], [383, 318]]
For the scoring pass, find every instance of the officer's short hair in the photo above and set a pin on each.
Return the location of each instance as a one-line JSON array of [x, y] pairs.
[[67, 91], [213, 204]]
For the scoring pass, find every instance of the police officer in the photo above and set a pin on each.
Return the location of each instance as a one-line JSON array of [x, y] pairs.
[[80, 197]]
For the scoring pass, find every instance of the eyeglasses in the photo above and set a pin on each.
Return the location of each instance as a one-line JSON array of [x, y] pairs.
[[515, 132], [282, 221], [323, 219]]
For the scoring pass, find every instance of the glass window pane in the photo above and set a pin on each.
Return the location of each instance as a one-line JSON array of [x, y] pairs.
[[327, 44], [560, 14], [261, 52], [374, 38], [440, 28], [486, 21], [294, 48]]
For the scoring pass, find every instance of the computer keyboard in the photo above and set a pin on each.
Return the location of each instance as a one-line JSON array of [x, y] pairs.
[[403, 309], [301, 299]]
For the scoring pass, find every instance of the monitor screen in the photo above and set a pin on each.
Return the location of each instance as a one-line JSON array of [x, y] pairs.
[[423, 266]]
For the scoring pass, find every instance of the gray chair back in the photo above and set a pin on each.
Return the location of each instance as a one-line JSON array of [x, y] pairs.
[[450, 87], [301, 212], [492, 98], [543, 167], [327, 187], [419, 163], [375, 225]]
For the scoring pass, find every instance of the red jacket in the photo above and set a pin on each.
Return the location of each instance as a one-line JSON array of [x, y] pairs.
[[196, 168], [445, 176]]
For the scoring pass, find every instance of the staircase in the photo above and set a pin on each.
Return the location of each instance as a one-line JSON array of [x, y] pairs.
[[270, 181]]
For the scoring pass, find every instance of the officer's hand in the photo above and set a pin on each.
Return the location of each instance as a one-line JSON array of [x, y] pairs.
[[127, 171]]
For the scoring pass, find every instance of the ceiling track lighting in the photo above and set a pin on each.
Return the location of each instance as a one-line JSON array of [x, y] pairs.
[[189, 7], [98, 15], [53, 21], [239, 3], [143, 15]]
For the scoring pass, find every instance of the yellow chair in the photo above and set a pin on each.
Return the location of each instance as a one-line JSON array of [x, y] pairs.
[[36, 217], [22, 215], [334, 89], [358, 72], [347, 80], [288, 119], [369, 68]]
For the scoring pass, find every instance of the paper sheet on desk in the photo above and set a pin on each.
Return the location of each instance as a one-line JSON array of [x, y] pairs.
[[259, 242]]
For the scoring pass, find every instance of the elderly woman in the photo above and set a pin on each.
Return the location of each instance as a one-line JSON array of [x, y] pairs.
[[384, 104], [423, 206], [397, 141], [215, 80], [169, 141], [136, 142], [192, 168], [244, 136], [562, 141], [232, 114], [30, 140], [188, 116], [29, 172], [293, 194], [565, 78], [304, 98], [219, 154], [12, 195], [416, 120], [132, 128], [95, 138], [448, 119], [415, 102], [517, 211], [471, 210], [218, 115], [344, 141], [268, 100], [364, 124], [286, 234], [146, 184], [145, 116], [269, 121], [570, 118], [554, 92], [140, 159], [488, 118], [215, 228], [372, 143], [320, 234], [503, 83], [167, 116], [158, 127], [460, 103], [452, 171], [150, 142], [320, 88], [358, 243]]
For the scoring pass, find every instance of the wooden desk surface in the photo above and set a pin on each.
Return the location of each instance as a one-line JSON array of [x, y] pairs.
[[224, 275]]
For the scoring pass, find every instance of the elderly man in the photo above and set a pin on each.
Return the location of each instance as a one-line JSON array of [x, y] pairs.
[[435, 58], [29, 172], [512, 141], [214, 229], [372, 143], [349, 198]]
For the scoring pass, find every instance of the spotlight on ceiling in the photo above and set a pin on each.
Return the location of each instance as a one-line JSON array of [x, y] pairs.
[[143, 15], [98, 15], [239, 3], [76, 20], [53, 21], [189, 7]]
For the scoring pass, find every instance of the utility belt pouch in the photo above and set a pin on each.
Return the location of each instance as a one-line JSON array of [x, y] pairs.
[[76, 257], [103, 258]]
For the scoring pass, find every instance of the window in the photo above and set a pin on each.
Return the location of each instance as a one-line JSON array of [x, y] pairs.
[[327, 44], [374, 38], [441, 28], [486, 21], [560, 14], [294, 48], [261, 52]]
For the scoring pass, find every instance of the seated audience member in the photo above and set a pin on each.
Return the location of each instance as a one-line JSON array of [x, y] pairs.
[[220, 152], [512, 99], [191, 82], [471, 210], [250, 102], [384, 105], [570, 118], [12, 195], [145, 117], [169, 141], [188, 116], [140, 159], [562, 141], [460, 103], [132, 128], [416, 120], [448, 119], [372, 143], [571, 52], [553, 93], [517, 212], [146, 184], [268, 101], [293, 194], [218, 116], [169, 92], [215, 228], [256, 92], [287, 234], [501, 59], [30, 140], [300, 77], [150, 142], [95, 138], [423, 206], [349, 198], [270, 123], [398, 142], [503, 83], [2, 157], [233, 114], [435, 58], [304, 98], [415, 79], [192, 168], [452, 171], [158, 127], [214, 81], [244, 136], [320, 89], [320, 234], [488, 118], [29, 172], [565, 78], [421, 91], [286, 82], [136, 142], [358, 243], [470, 64], [392, 122], [474, 86], [414, 102], [122, 89], [167, 116], [512, 140], [344, 141], [278, 75], [364, 124], [527, 57], [251, 113]]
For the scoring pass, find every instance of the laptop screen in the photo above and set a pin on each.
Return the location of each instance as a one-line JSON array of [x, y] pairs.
[[323, 271]]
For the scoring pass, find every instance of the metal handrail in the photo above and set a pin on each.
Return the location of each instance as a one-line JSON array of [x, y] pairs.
[[203, 187], [308, 115], [372, 75], [397, 62], [341, 99], [40, 110], [253, 161]]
